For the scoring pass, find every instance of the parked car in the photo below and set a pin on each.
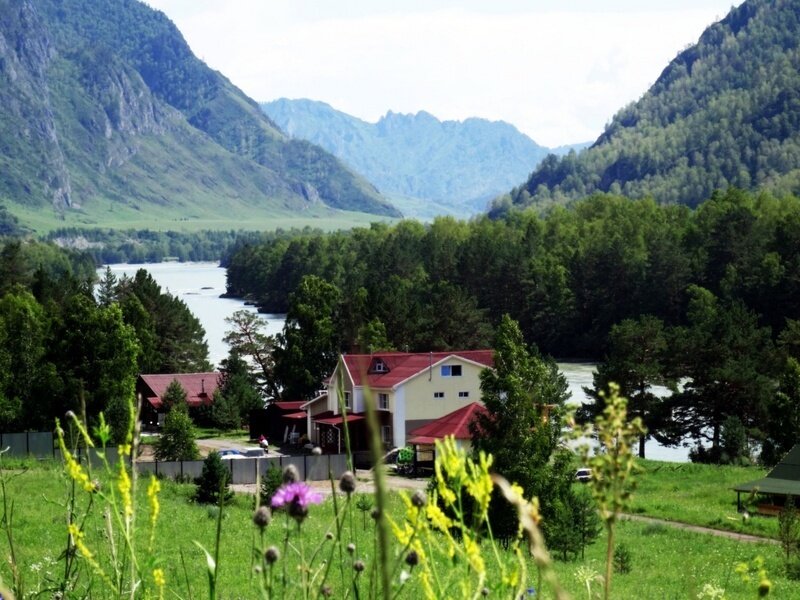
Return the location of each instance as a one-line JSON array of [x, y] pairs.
[[230, 454], [583, 475]]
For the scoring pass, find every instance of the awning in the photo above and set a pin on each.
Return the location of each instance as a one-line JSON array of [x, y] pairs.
[[295, 415], [423, 440], [337, 420], [771, 485]]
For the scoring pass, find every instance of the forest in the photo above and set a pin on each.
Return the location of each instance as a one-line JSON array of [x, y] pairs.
[[661, 294], [723, 113], [63, 347]]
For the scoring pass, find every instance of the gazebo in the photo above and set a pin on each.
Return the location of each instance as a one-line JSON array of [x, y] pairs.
[[780, 483]]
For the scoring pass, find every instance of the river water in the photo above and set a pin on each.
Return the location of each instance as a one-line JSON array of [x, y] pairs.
[[199, 285]]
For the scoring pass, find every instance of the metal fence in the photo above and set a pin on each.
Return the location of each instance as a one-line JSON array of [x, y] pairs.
[[40, 444], [249, 470]]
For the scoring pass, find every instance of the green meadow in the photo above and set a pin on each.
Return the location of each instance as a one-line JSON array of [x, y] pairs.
[[665, 562]]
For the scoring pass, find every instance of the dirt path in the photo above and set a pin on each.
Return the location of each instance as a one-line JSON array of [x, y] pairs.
[[364, 484], [743, 537]]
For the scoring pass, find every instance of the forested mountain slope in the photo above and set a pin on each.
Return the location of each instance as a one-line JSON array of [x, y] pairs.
[[452, 166], [725, 112], [106, 110]]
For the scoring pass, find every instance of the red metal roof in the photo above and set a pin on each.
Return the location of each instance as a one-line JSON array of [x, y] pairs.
[[455, 423], [199, 387], [402, 365], [295, 415], [290, 405], [337, 420]]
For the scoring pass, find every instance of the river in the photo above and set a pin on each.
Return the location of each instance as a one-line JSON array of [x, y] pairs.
[[199, 285]]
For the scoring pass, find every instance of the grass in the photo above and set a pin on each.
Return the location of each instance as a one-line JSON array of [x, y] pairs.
[[667, 563], [699, 495], [244, 217]]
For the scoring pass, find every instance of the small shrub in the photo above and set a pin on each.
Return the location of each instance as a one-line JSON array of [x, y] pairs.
[[622, 559], [270, 482], [213, 485], [793, 569], [177, 438]]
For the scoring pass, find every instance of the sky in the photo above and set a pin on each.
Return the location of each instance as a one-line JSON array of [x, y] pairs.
[[556, 69]]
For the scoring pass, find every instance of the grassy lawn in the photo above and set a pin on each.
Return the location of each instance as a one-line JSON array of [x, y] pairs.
[[666, 563], [698, 494]]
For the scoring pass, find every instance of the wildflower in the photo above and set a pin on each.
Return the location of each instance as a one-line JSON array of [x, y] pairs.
[[485, 592], [160, 581], [326, 591], [358, 566], [328, 535], [295, 498], [764, 587], [272, 555], [351, 548], [155, 507], [262, 517], [375, 513], [419, 499], [347, 483], [291, 474], [124, 486]]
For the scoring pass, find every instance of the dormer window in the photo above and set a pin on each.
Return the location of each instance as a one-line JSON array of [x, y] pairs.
[[378, 366], [451, 370]]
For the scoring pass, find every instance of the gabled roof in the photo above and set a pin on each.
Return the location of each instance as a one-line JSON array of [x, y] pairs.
[[404, 365], [199, 387], [784, 479], [455, 423]]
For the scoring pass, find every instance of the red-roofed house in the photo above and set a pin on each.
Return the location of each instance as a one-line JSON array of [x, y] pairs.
[[199, 388], [410, 390], [456, 423]]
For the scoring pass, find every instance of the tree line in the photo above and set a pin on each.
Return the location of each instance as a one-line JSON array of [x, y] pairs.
[[63, 347], [706, 299]]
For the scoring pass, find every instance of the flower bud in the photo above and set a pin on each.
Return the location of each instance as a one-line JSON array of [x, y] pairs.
[[262, 517], [358, 566], [272, 555], [291, 474], [351, 548], [347, 483], [419, 499], [412, 558]]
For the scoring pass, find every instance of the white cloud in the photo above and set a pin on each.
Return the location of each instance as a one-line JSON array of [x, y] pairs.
[[558, 76]]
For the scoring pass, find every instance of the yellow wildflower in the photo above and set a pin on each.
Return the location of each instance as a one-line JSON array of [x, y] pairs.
[[124, 486], [74, 470], [152, 497], [440, 520], [474, 557], [160, 581]]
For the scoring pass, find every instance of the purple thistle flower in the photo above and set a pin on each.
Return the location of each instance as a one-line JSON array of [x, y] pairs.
[[297, 493]]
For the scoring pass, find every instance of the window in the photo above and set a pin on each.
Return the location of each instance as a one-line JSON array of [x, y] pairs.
[[383, 401], [451, 370], [379, 366], [347, 400], [386, 434], [438, 394], [463, 394]]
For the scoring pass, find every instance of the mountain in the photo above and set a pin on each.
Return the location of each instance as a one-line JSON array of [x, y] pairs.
[[725, 112], [427, 166], [107, 114]]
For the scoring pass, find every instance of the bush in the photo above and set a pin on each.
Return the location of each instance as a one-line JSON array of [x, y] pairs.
[[270, 482], [177, 438], [622, 559], [213, 485]]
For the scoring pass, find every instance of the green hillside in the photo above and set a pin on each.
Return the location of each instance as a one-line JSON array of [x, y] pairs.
[[107, 118], [725, 112]]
